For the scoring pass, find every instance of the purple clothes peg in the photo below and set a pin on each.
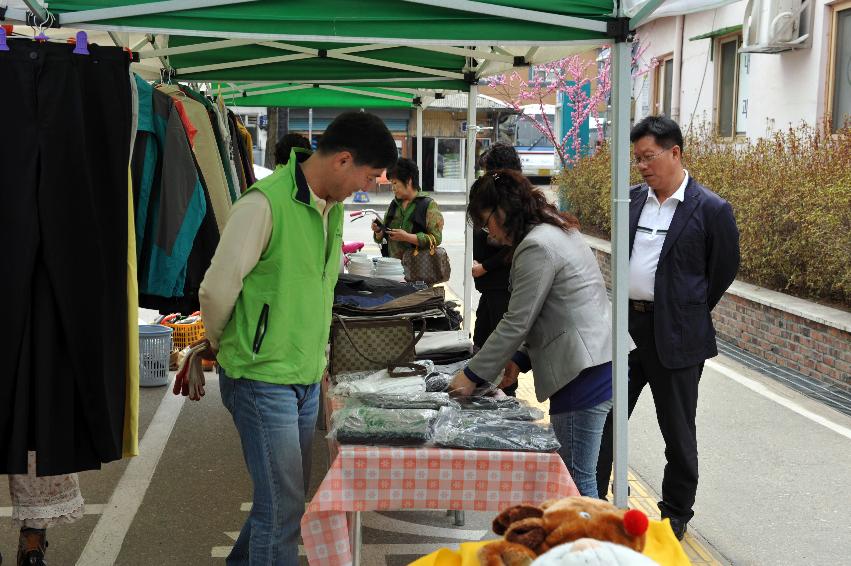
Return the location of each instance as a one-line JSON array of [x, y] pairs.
[[41, 36], [82, 44], [3, 46]]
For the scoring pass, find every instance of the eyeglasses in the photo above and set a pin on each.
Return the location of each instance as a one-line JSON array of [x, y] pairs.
[[485, 225], [647, 159]]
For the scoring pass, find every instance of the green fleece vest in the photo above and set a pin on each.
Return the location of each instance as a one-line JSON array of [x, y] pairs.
[[279, 328]]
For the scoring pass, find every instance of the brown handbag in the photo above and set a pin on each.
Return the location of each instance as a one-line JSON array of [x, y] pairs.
[[373, 344], [431, 268]]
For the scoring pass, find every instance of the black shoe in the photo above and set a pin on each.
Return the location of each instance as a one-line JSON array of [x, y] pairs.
[[32, 545], [679, 527]]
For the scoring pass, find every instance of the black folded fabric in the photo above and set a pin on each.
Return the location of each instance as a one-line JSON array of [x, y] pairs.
[[478, 430], [390, 427]]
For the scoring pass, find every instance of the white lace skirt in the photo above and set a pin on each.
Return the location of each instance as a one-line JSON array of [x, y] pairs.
[[42, 502]]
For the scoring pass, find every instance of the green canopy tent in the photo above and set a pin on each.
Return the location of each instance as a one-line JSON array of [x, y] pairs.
[[413, 46], [288, 95]]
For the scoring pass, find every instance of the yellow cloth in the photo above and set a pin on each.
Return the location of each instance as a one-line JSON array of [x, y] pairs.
[[249, 142], [662, 546], [131, 396]]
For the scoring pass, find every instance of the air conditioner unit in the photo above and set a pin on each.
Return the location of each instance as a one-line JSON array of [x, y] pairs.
[[773, 26]]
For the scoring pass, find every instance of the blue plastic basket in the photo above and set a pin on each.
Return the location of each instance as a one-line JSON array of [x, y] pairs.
[[154, 352]]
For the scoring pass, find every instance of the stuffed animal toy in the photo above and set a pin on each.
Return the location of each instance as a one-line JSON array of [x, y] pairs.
[[530, 531]]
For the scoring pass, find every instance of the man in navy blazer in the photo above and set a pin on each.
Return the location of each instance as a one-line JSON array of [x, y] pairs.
[[684, 254]]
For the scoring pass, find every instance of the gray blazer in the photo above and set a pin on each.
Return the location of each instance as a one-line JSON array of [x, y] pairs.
[[559, 313]]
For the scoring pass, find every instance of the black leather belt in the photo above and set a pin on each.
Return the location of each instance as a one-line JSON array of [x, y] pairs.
[[641, 306]]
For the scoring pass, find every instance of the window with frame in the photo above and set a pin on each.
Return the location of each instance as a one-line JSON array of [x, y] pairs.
[[840, 67], [663, 86], [733, 69]]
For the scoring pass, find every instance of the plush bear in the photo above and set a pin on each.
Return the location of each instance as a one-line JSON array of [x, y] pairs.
[[530, 531]]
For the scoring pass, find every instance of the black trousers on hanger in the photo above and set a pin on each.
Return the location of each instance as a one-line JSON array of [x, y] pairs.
[[64, 153]]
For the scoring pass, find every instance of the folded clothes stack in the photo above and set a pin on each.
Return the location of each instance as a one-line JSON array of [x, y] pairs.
[[391, 427], [394, 401], [484, 430]]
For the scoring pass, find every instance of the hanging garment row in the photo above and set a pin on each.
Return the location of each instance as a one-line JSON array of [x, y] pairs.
[[191, 161], [69, 390]]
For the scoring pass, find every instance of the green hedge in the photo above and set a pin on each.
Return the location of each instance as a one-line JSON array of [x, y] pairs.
[[791, 194]]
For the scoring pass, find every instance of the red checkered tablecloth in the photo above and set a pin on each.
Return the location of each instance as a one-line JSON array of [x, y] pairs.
[[369, 478]]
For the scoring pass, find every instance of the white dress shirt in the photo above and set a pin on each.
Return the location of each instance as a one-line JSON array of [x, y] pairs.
[[650, 235]]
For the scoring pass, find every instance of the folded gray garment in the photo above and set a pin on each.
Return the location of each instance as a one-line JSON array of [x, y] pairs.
[[442, 342], [482, 430]]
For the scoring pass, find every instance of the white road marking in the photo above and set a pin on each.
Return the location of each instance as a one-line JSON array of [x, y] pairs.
[[793, 406], [106, 539]]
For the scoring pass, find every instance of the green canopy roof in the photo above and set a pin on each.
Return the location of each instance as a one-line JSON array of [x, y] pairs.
[[411, 44], [310, 96], [405, 21]]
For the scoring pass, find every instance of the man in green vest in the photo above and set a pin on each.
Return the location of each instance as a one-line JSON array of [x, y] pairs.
[[266, 302]]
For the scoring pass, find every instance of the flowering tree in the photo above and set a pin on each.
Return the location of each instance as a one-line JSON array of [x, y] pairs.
[[570, 76]]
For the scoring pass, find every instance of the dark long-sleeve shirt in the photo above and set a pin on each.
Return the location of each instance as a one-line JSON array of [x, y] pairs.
[[495, 260]]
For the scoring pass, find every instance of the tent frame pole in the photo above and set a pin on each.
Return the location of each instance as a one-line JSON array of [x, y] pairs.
[[621, 87], [420, 143], [470, 178]]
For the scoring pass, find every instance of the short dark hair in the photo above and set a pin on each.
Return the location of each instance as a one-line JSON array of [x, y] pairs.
[[665, 131], [362, 134], [501, 156], [405, 170], [285, 146]]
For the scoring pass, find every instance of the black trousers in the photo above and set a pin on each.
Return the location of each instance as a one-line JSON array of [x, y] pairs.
[[63, 224], [675, 396], [493, 305]]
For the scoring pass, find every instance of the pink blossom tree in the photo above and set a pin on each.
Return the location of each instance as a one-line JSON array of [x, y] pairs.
[[569, 76]]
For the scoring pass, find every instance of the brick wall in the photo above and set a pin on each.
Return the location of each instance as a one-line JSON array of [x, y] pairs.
[[812, 348]]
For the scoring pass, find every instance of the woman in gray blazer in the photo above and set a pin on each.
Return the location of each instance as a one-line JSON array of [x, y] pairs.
[[558, 321]]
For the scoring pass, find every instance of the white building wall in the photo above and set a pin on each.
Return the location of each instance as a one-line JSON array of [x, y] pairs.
[[784, 88]]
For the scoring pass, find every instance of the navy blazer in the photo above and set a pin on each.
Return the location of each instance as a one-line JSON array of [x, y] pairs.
[[698, 262]]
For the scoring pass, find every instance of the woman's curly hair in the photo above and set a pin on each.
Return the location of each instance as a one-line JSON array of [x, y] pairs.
[[524, 205]]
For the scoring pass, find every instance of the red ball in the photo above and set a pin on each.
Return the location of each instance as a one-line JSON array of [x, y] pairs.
[[635, 522]]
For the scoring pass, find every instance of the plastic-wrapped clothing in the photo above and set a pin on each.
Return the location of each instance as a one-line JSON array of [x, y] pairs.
[[392, 427], [390, 401], [481, 403], [482, 430], [438, 381]]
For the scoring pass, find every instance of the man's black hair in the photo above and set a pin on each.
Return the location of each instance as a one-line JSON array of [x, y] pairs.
[[405, 170], [665, 131], [285, 146], [362, 134], [501, 156]]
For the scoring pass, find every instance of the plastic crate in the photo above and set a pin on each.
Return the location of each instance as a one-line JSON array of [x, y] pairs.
[[186, 334], [154, 351]]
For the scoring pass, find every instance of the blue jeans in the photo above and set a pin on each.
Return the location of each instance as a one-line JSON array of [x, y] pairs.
[[275, 424], [580, 433]]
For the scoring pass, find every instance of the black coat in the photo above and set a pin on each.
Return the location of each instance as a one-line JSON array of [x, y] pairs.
[[698, 262]]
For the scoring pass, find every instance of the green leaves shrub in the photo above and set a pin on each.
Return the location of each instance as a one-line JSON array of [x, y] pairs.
[[791, 193]]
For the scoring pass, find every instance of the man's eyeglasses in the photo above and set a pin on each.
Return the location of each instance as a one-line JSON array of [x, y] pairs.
[[487, 221], [647, 158]]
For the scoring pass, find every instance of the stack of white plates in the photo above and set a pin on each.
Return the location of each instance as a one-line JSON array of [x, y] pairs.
[[361, 264], [389, 268]]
